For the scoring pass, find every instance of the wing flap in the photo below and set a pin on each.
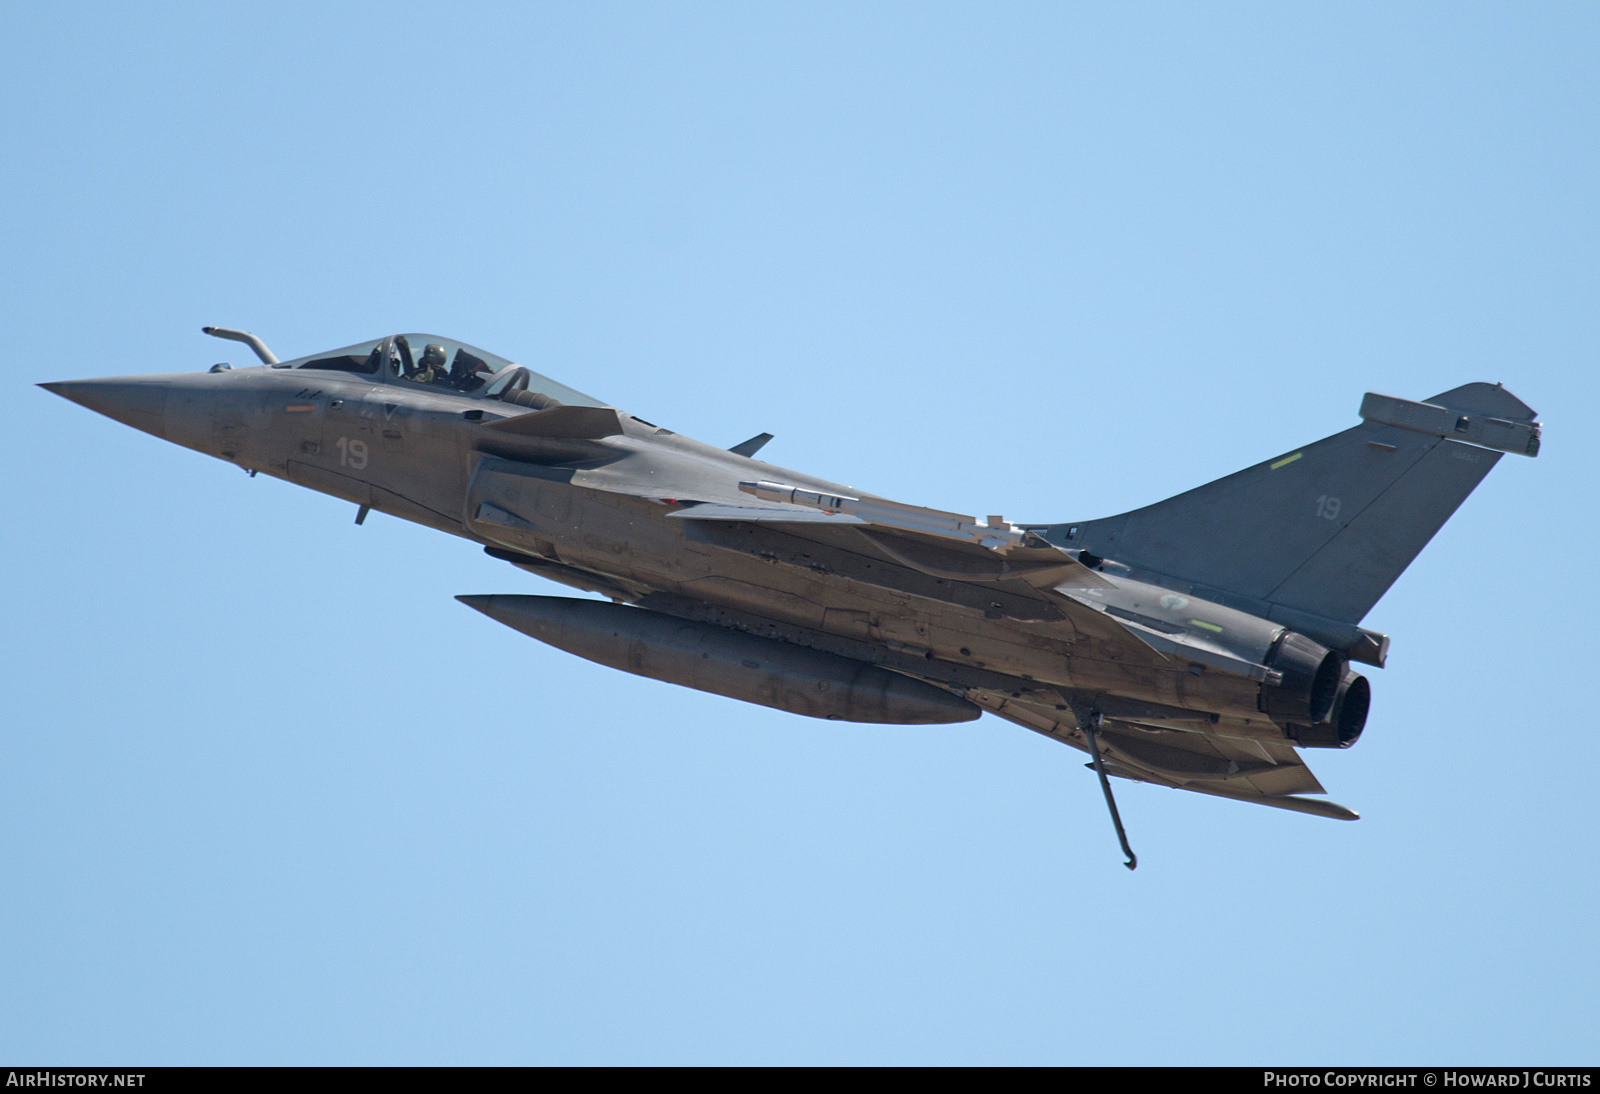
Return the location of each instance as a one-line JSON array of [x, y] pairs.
[[1259, 772]]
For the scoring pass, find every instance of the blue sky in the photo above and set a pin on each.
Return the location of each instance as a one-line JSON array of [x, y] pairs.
[[268, 794]]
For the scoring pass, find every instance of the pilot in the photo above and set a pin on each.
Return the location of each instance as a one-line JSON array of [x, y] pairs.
[[430, 368]]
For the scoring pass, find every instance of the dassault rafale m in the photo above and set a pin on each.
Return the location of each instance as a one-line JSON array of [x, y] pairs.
[[1196, 643]]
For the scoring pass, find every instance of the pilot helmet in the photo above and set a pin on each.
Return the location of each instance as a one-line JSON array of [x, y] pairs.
[[432, 354]]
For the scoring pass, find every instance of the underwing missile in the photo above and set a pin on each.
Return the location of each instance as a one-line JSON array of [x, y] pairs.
[[725, 661]]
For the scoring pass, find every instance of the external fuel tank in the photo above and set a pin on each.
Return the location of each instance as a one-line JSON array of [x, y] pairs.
[[725, 661]]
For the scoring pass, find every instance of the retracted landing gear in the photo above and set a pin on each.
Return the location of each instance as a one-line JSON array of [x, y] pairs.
[[1089, 723]]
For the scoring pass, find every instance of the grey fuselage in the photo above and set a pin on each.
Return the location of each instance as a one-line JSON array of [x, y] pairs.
[[594, 514], [1194, 643]]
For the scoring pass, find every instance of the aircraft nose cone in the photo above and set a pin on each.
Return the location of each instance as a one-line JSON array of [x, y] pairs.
[[138, 402]]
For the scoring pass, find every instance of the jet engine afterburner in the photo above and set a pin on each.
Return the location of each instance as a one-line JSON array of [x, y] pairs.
[[1305, 681], [1343, 727]]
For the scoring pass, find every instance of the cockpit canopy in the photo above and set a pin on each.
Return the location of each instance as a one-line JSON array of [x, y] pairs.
[[446, 367]]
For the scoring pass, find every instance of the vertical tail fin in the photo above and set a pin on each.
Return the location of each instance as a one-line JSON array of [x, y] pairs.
[[1327, 528]]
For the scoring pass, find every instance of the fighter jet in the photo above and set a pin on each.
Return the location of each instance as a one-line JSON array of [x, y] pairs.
[[1199, 643]]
